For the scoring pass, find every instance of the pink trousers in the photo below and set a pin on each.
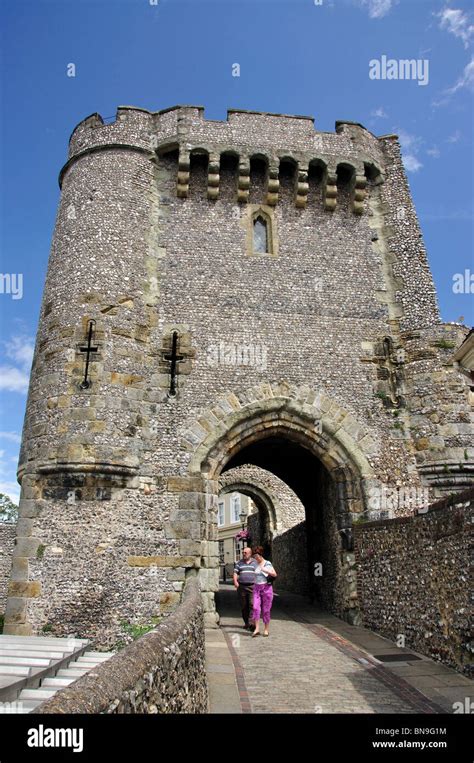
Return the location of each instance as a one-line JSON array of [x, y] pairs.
[[262, 601]]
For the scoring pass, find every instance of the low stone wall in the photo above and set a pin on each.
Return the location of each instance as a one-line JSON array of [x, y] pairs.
[[413, 579], [7, 541], [161, 672]]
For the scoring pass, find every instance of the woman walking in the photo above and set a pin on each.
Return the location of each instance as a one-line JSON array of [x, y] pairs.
[[262, 591]]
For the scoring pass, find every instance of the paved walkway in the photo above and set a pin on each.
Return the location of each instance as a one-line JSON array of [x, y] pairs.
[[315, 663]]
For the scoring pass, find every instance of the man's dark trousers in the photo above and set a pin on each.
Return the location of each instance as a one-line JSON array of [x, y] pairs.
[[246, 603]]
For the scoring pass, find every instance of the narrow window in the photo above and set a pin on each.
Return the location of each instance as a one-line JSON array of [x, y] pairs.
[[235, 505], [260, 235], [221, 552], [220, 516]]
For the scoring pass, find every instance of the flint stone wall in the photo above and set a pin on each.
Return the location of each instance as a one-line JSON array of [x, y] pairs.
[[115, 461], [161, 672], [413, 575], [7, 541]]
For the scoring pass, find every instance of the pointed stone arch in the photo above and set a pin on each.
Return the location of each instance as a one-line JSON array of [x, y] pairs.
[[338, 439], [283, 507], [307, 418]]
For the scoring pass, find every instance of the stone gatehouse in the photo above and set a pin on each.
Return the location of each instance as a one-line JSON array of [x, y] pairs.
[[221, 294]]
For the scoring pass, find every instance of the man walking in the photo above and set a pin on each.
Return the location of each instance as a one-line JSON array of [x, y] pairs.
[[244, 579]]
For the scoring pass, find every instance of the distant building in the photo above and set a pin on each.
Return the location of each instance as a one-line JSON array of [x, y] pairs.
[[229, 523]]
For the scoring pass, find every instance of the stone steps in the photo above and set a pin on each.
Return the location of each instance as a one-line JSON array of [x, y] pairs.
[[34, 668], [41, 653]]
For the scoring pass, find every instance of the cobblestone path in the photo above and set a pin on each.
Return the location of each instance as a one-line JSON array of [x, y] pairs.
[[305, 667]]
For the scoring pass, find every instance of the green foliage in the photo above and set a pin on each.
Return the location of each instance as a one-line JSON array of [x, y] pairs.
[[40, 551], [2, 620], [8, 509], [444, 344], [134, 631], [47, 628]]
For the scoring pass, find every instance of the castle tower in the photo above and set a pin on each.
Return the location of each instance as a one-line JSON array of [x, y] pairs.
[[250, 291]]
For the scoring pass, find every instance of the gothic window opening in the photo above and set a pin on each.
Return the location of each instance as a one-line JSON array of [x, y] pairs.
[[260, 235]]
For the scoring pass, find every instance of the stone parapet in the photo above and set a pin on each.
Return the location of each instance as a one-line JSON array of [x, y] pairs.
[[161, 672]]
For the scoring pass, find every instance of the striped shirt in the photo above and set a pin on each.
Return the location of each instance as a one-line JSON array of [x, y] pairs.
[[246, 571]]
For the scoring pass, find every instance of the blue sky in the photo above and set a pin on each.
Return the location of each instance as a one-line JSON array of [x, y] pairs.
[[295, 56]]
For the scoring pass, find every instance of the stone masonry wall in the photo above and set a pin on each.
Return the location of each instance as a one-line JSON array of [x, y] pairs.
[[162, 672], [7, 541], [151, 238], [413, 579]]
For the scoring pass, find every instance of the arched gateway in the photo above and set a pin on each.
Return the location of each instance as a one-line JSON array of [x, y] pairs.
[[251, 291], [317, 449]]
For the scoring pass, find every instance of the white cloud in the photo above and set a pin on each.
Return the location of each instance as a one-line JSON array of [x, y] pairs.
[[380, 113], [434, 152], [376, 8], [465, 80], [456, 22], [14, 376], [408, 140], [410, 145], [20, 349], [13, 436], [13, 379], [411, 163]]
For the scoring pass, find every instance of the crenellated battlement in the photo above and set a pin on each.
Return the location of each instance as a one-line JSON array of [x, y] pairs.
[[351, 155]]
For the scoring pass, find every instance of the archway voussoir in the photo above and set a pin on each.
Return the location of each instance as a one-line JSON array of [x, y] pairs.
[[206, 424], [225, 405], [218, 435], [199, 432], [282, 389], [369, 446], [324, 403], [188, 444], [267, 390], [234, 401], [304, 393], [329, 425], [218, 412]]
